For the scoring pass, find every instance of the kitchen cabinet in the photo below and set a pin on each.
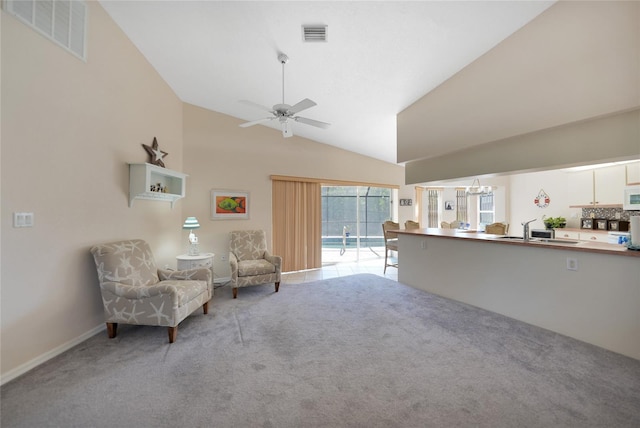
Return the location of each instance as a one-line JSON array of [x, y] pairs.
[[593, 236], [609, 185], [582, 235], [580, 188], [597, 187], [567, 234], [633, 173]]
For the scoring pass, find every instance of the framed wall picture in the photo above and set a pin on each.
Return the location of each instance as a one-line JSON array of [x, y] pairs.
[[229, 205], [448, 205]]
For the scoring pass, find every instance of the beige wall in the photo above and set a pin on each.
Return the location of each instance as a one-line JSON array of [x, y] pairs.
[[611, 138], [69, 128], [220, 155], [525, 187], [576, 61]]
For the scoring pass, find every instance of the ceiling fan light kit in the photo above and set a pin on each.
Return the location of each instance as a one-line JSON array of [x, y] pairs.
[[284, 113]]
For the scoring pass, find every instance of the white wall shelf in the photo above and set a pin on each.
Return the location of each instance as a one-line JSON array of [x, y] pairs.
[[143, 177]]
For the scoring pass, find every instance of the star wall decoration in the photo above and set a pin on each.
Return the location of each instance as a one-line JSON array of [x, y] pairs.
[[155, 153]]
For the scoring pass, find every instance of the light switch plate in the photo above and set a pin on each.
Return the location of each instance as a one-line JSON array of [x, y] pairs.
[[22, 219]]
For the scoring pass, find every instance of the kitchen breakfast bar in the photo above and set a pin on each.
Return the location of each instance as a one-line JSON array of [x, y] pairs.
[[586, 290]]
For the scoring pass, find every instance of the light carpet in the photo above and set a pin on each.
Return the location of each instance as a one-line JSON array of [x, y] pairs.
[[358, 351]]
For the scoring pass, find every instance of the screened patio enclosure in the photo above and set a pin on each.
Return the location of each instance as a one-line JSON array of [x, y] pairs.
[[352, 218]]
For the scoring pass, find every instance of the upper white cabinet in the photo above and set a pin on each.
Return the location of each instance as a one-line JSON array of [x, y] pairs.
[[580, 188], [609, 185], [147, 181], [633, 173], [597, 187]]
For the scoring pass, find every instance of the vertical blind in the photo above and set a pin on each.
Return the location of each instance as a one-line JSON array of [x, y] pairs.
[[462, 213], [433, 208], [297, 223]]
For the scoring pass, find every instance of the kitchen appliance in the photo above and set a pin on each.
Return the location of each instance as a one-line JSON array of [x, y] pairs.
[[621, 238], [631, 198], [543, 233]]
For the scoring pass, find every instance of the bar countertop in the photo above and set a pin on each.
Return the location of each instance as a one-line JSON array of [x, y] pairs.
[[556, 244]]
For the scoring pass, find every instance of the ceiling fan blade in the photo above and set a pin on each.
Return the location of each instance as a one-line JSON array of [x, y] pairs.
[[302, 105], [286, 129], [256, 105], [312, 122], [255, 122]]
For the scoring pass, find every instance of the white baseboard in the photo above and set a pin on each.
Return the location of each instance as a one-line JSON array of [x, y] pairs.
[[222, 280], [22, 369]]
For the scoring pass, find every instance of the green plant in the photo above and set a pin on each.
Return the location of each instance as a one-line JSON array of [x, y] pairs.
[[554, 222]]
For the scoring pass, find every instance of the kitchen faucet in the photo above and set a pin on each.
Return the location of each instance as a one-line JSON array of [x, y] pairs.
[[526, 229]]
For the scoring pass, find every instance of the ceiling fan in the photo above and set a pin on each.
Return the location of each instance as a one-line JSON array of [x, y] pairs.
[[284, 113]]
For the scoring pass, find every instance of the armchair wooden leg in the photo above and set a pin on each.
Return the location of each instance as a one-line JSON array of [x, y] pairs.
[[173, 334], [205, 308], [112, 328], [277, 286], [235, 292]]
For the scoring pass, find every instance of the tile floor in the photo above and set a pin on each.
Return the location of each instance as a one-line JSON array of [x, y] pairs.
[[337, 269]]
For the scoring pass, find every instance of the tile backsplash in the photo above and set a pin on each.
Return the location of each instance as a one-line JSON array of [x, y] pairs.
[[608, 213]]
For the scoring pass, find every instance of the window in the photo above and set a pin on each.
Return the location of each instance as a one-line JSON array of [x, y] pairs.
[[486, 210]]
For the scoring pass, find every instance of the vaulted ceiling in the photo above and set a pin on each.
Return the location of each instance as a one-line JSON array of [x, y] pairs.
[[379, 57]]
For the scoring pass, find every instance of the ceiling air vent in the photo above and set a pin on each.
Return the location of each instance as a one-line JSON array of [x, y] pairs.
[[314, 33]]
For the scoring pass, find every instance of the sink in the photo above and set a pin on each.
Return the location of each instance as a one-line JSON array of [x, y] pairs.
[[540, 240], [555, 241]]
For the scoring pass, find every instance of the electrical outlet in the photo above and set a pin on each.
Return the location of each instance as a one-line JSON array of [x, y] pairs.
[[224, 258], [423, 244], [572, 264]]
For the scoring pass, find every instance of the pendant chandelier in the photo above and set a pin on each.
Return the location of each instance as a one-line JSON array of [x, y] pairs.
[[477, 189]]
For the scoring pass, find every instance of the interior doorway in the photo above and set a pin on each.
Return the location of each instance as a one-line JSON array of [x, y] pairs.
[[352, 218]]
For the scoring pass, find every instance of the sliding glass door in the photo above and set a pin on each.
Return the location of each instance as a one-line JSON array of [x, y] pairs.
[[352, 218]]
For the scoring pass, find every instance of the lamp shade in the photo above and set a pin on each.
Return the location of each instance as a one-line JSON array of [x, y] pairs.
[[191, 223]]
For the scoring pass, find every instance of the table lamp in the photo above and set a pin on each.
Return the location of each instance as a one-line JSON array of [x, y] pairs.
[[191, 223]]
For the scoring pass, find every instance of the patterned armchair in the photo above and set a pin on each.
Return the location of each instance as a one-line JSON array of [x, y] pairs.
[[251, 263], [134, 291]]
